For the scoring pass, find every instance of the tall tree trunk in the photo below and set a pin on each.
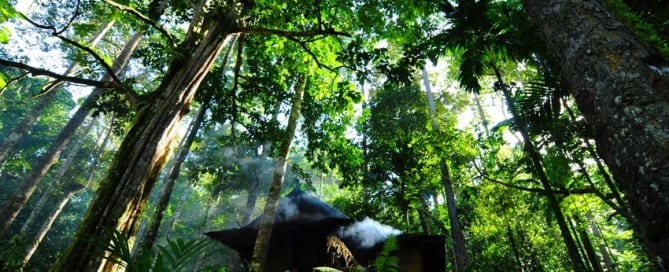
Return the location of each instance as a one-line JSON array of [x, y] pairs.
[[481, 112], [13, 206], [253, 192], [180, 207], [457, 234], [46, 225], [267, 223], [256, 181], [618, 86], [165, 194], [603, 249], [56, 181], [535, 157], [579, 243], [514, 248], [424, 222], [212, 210], [235, 264], [70, 190], [101, 149], [587, 245], [123, 193], [29, 119]]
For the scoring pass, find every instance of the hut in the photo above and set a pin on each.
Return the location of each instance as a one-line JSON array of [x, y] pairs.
[[309, 233]]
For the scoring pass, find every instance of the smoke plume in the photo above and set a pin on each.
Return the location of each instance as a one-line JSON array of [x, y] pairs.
[[367, 232], [287, 210]]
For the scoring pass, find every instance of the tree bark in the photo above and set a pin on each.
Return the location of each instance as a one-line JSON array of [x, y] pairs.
[[31, 117], [264, 232], [457, 234], [166, 192], [13, 206], [619, 87], [123, 193]]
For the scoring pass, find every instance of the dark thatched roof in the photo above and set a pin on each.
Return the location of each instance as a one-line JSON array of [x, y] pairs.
[[301, 219]]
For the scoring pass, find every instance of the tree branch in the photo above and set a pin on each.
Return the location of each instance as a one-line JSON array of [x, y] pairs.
[[143, 18], [39, 71], [293, 36], [308, 50], [11, 81], [87, 49], [289, 34], [69, 23]]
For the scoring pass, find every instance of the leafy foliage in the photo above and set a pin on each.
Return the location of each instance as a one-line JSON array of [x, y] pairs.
[[176, 255], [386, 261], [7, 12], [648, 19], [389, 167]]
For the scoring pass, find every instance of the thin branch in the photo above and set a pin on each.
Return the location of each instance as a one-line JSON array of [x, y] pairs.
[[53, 29], [289, 34], [87, 49], [314, 38], [142, 18], [293, 36], [96, 56], [238, 63], [69, 23], [317, 3], [601, 195], [587, 190], [39, 71], [308, 50], [12, 81]]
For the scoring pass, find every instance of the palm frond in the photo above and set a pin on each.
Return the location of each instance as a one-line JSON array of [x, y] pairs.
[[177, 254], [118, 248]]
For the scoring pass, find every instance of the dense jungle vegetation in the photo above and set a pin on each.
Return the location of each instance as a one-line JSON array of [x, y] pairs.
[[533, 135]]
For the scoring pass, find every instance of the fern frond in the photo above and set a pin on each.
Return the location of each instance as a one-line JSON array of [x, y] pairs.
[[386, 262]]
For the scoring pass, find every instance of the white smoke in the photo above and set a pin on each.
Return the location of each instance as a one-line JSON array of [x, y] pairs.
[[367, 232], [288, 209]]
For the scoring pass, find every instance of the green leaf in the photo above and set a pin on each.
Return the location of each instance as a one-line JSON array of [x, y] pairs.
[[7, 12], [3, 81], [5, 32], [385, 261], [179, 253]]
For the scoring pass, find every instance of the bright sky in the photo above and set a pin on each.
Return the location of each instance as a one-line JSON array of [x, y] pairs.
[[28, 43]]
